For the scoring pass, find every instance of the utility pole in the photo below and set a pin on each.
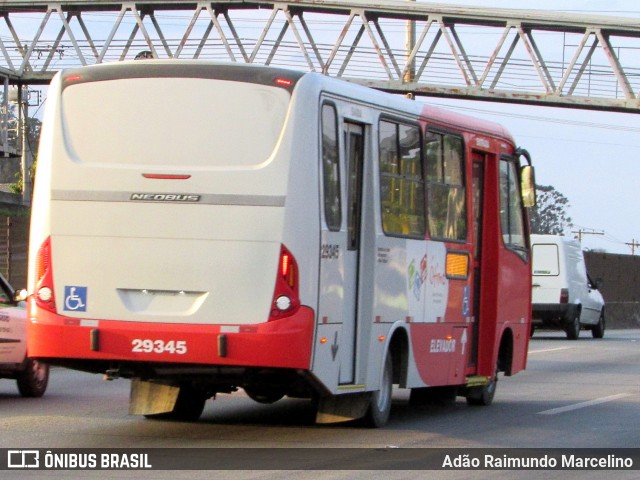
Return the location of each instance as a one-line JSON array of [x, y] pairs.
[[586, 231], [26, 158], [633, 246], [410, 43], [20, 97]]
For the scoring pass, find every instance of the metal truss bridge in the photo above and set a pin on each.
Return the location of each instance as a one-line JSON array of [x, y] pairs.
[[419, 48]]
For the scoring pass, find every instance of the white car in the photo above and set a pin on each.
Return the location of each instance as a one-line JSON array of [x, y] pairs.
[[32, 376]]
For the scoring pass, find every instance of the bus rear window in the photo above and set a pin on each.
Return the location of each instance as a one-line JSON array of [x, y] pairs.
[[141, 121]]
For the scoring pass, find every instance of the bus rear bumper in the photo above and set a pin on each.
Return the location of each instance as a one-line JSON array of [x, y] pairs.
[[283, 343]]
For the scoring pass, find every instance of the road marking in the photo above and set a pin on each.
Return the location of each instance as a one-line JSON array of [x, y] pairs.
[[550, 349], [577, 406]]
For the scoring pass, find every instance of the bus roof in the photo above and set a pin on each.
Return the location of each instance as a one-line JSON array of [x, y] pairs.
[[447, 117], [270, 75]]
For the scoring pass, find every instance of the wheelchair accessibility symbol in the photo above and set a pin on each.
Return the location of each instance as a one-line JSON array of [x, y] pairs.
[[75, 298]]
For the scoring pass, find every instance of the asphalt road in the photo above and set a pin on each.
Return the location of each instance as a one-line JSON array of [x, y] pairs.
[[574, 394]]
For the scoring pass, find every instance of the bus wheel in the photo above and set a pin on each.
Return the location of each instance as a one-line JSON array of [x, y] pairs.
[[188, 408], [33, 380], [380, 405], [597, 331], [483, 396]]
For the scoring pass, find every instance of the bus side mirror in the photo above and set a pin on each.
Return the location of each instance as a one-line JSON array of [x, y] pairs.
[[528, 186]]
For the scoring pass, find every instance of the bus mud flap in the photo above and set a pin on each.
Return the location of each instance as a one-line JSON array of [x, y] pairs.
[[342, 408], [148, 398]]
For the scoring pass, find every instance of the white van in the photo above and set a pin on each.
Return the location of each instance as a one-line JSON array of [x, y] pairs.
[[563, 295]]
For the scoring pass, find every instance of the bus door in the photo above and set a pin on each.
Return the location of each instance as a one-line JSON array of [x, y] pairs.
[[477, 192], [354, 160], [342, 165]]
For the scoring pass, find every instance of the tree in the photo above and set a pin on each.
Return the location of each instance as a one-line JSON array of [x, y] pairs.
[[550, 215], [33, 126]]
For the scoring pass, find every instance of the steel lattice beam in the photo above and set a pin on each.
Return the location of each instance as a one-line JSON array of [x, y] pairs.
[[493, 54]]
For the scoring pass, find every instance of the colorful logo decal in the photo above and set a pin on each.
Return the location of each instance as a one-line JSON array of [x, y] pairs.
[[75, 298], [417, 276], [437, 283]]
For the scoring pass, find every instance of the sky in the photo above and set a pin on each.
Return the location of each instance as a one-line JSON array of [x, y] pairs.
[[590, 157], [594, 163]]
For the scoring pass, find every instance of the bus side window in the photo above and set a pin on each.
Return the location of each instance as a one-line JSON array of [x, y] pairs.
[[446, 199], [401, 179], [331, 168]]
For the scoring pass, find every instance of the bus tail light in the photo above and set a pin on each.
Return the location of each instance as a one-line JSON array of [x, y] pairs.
[[45, 297], [283, 82], [285, 297]]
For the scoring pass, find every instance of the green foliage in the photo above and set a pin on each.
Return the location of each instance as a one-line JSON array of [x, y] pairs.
[[14, 211], [18, 185], [550, 215], [33, 126], [33, 135]]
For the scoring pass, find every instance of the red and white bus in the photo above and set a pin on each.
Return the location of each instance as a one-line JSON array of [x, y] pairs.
[[200, 228]]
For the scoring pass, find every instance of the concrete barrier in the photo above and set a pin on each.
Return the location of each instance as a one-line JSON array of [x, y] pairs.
[[622, 315]]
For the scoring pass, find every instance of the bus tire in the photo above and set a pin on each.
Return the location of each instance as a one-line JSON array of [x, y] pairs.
[[483, 396], [188, 407], [380, 405], [33, 380]]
